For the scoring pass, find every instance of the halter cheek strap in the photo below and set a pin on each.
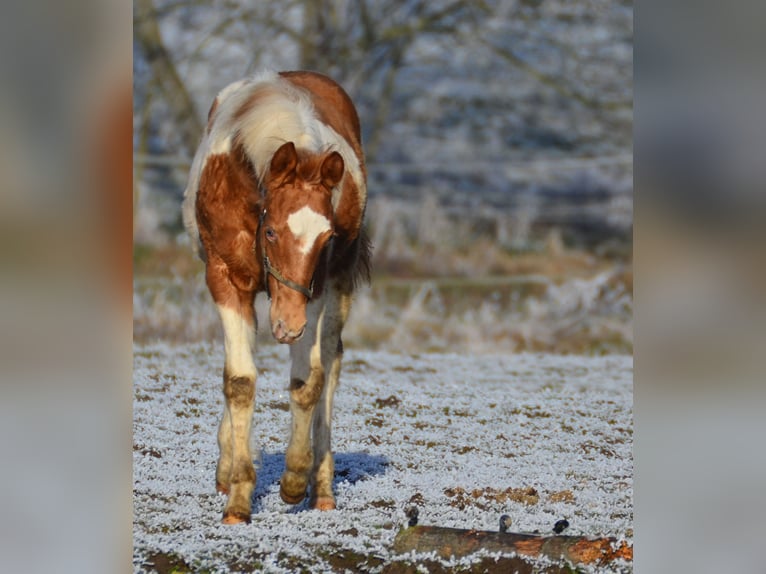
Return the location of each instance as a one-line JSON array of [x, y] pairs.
[[269, 269]]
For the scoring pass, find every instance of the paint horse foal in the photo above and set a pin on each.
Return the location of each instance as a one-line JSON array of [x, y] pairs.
[[275, 203]]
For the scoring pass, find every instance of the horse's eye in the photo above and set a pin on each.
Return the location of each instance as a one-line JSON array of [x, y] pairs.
[[270, 235]]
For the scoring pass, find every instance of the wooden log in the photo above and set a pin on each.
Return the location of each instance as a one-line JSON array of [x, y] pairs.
[[458, 542]]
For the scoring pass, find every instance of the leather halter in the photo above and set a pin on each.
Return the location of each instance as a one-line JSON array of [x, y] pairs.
[[269, 269]]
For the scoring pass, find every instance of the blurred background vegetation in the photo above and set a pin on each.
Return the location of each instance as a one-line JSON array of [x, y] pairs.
[[498, 137]]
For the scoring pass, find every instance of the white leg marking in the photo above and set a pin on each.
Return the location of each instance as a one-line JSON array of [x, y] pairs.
[[239, 343], [306, 225], [225, 451], [234, 433]]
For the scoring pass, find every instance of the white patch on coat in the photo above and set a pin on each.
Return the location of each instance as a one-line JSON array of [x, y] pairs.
[[284, 113], [306, 225], [220, 145]]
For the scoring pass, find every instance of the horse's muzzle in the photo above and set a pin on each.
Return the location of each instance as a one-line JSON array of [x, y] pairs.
[[284, 335]]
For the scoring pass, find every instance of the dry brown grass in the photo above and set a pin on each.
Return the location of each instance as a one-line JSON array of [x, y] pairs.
[[480, 299]]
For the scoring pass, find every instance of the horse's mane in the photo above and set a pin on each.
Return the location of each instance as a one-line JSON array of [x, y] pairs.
[[266, 111]]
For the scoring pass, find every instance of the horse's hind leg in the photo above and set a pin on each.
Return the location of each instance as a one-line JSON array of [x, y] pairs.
[[336, 312], [235, 474]]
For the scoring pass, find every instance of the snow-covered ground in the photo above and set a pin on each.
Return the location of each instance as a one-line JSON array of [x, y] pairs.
[[465, 438]]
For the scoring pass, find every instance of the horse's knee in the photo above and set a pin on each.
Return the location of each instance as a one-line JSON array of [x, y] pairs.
[[243, 471], [296, 384], [239, 391], [305, 394]]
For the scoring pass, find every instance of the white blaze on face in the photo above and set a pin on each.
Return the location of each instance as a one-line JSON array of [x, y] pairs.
[[306, 225]]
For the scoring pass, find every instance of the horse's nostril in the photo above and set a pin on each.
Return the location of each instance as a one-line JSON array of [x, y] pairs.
[[278, 330], [282, 334]]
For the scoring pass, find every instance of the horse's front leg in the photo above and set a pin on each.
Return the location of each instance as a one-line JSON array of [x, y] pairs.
[[335, 315], [235, 473], [307, 380]]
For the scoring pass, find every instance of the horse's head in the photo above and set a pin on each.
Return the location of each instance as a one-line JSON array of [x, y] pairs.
[[296, 226]]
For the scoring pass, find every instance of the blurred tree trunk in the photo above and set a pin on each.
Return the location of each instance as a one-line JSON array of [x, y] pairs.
[[383, 111], [147, 35], [310, 36]]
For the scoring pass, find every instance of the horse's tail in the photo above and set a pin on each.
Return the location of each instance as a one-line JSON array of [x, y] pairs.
[[362, 272], [351, 264]]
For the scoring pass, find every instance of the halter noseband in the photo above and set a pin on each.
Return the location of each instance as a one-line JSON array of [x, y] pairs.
[[269, 269]]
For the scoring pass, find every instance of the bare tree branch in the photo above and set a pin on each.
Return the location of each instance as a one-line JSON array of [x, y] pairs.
[[147, 35], [557, 83]]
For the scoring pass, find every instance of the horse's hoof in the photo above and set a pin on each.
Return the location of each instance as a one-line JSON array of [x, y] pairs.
[[293, 487], [291, 498], [235, 518], [221, 488], [324, 503]]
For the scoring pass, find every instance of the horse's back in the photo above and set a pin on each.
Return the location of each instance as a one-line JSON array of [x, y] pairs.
[[332, 104]]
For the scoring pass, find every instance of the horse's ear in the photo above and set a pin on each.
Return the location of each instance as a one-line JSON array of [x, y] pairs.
[[284, 161], [332, 169]]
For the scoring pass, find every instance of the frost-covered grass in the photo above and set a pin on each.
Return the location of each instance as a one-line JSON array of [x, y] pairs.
[[465, 438], [591, 315]]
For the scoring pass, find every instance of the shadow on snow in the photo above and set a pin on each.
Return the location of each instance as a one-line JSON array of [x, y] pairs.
[[350, 467]]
